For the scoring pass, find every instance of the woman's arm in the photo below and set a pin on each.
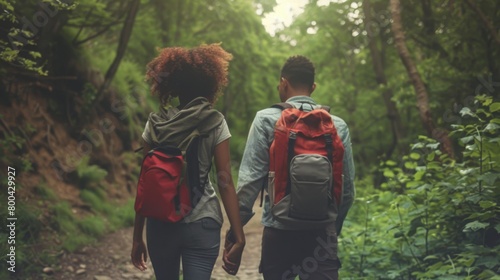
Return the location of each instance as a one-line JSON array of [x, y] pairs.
[[232, 256], [139, 253]]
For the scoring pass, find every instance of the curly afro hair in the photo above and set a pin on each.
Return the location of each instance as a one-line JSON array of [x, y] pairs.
[[189, 73]]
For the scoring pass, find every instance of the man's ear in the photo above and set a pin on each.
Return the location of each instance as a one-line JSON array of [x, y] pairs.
[[285, 84], [313, 87]]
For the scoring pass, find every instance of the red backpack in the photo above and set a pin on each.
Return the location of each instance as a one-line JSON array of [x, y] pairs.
[[305, 169], [169, 183]]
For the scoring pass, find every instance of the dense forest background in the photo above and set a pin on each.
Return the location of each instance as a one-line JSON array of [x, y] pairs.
[[417, 81]]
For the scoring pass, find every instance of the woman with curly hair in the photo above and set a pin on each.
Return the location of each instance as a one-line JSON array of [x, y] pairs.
[[196, 76]]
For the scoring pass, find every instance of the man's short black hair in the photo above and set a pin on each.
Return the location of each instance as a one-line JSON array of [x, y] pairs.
[[299, 71]]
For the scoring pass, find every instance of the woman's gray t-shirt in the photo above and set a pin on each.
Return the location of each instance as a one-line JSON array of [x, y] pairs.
[[209, 206]]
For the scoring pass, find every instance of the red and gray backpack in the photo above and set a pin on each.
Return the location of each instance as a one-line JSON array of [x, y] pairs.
[[305, 169]]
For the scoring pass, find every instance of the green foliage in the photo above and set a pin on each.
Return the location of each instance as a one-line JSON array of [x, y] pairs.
[[13, 148], [76, 240], [93, 226], [27, 232], [89, 175], [78, 232], [96, 200], [63, 218], [133, 159], [69, 230], [23, 25], [89, 94], [45, 192], [122, 216], [443, 213], [116, 216]]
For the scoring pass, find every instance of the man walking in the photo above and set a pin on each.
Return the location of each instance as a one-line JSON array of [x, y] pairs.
[[288, 250]]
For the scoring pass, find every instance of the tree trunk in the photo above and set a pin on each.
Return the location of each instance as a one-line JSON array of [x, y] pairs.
[[128, 25], [420, 90], [378, 66]]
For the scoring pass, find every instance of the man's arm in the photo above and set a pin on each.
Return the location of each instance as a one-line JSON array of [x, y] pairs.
[[254, 166], [348, 172]]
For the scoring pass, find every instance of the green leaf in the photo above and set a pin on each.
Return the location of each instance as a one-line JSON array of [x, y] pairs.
[[422, 188], [494, 140], [457, 127], [431, 257], [466, 139], [497, 228], [497, 121], [6, 5], [487, 101], [489, 178], [487, 274], [487, 204], [410, 165], [413, 184], [433, 166], [467, 112], [418, 176], [475, 226], [415, 156], [484, 112], [473, 198], [474, 215], [388, 173], [492, 127], [433, 146], [495, 107], [417, 146], [391, 163], [489, 262], [431, 156], [35, 55]]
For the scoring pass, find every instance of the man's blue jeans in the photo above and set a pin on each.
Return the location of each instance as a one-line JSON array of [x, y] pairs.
[[197, 243]]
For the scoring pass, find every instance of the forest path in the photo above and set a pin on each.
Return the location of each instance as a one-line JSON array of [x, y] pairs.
[[109, 258]]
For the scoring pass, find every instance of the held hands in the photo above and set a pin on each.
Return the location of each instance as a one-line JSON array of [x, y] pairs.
[[232, 254], [139, 254]]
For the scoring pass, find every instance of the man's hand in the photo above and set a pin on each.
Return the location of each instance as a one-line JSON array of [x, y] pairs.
[[139, 254], [231, 255]]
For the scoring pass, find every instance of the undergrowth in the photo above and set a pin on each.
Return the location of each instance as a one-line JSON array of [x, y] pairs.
[[436, 217], [46, 213]]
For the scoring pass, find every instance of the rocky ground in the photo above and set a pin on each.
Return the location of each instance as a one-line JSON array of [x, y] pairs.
[[109, 259]]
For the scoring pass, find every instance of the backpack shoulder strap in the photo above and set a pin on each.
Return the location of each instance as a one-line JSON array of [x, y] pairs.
[[326, 108], [282, 106]]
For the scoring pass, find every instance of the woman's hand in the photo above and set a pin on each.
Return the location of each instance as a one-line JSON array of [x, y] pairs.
[[139, 254], [232, 256]]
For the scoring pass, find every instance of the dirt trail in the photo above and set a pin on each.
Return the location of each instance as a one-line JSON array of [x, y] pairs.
[[109, 259]]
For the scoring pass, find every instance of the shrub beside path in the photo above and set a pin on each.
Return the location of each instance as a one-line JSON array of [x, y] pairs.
[[109, 258]]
